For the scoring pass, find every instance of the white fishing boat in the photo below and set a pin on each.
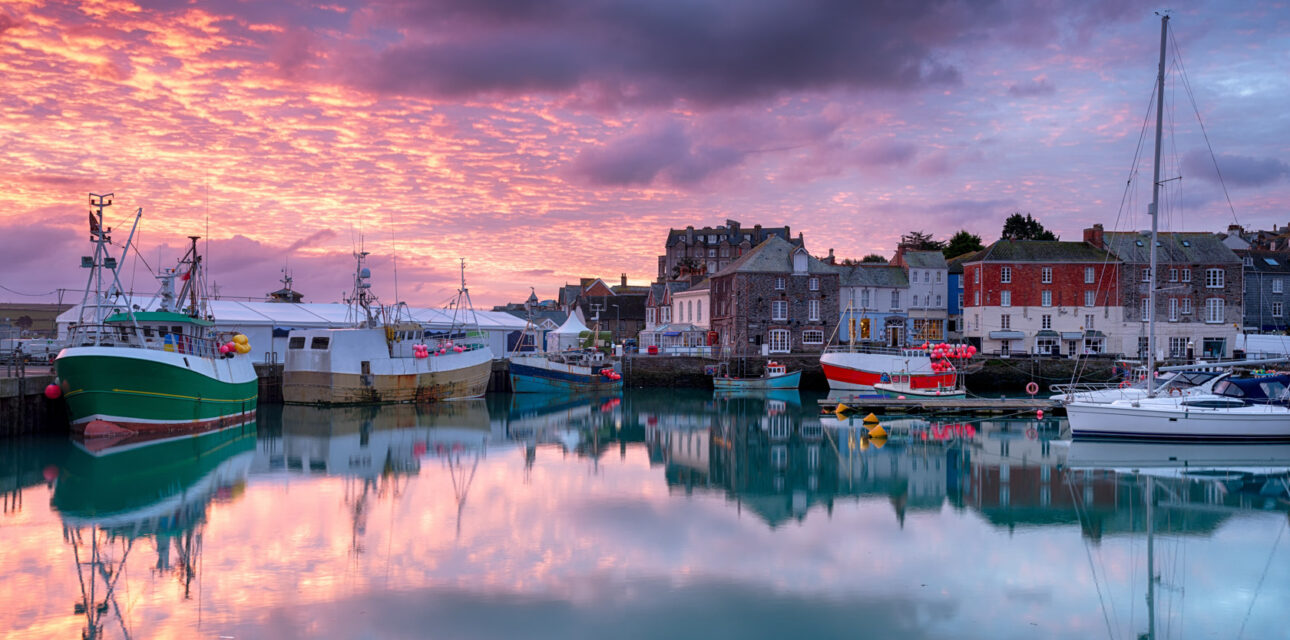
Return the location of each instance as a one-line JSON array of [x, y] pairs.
[[1179, 417], [386, 360]]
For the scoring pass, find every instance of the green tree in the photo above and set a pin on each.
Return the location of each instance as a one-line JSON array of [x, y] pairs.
[[919, 241], [1019, 227], [874, 258], [961, 243]]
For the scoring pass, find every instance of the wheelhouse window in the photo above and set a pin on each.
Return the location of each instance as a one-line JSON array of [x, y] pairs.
[[296, 342], [320, 342]]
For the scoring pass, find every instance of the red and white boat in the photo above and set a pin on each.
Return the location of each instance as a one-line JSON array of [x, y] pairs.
[[912, 370]]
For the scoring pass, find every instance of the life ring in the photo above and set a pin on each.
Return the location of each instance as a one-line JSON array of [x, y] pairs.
[[1031, 433], [1175, 391], [1032, 388]]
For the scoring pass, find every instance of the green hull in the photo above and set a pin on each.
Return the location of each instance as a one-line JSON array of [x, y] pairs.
[[122, 484], [150, 393]]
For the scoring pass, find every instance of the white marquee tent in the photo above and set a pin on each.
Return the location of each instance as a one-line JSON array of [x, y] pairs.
[[566, 337]]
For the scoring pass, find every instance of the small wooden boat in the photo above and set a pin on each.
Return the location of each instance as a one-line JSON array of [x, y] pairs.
[[776, 376]]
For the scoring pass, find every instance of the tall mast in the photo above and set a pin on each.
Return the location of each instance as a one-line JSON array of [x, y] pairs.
[[1155, 212]]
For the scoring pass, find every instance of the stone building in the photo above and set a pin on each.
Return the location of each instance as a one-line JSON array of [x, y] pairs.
[[1266, 275], [689, 251], [776, 295], [1199, 287]]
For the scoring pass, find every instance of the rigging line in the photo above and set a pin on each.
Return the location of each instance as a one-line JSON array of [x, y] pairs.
[[1070, 487], [1258, 588], [1125, 197], [1186, 83], [29, 295], [394, 254]]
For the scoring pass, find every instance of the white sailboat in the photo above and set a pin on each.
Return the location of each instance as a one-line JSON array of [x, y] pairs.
[[1178, 417]]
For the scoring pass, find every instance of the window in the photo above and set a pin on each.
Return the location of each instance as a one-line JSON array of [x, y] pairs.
[[813, 284], [779, 284], [1005, 298], [1146, 274], [915, 302], [1214, 310], [1248, 261], [960, 299], [895, 299], [1005, 275], [813, 310], [976, 275], [1046, 298], [1214, 347], [976, 298], [1046, 275], [938, 300], [667, 315], [650, 315], [699, 308], [1146, 309], [712, 239], [938, 277], [689, 311], [1177, 347], [1089, 298], [1088, 321], [1276, 309], [864, 298], [781, 341], [725, 251], [1186, 276], [1186, 306], [779, 310], [1088, 275], [1213, 278], [320, 342], [1046, 321], [1173, 275], [296, 342], [1005, 321], [1173, 309], [927, 276], [712, 253], [1276, 285], [812, 336]]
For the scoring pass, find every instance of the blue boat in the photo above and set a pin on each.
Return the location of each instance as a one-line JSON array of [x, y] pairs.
[[776, 376], [568, 372]]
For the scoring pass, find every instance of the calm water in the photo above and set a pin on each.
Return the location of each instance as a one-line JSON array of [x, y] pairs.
[[660, 514]]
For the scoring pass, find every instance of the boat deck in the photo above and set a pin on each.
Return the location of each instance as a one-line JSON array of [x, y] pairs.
[[939, 406]]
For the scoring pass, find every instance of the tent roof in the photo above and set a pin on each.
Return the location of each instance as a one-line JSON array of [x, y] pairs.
[[572, 326]]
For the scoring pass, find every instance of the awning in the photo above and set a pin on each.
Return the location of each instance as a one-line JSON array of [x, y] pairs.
[[1093, 333], [1006, 335], [671, 333], [1072, 335], [1046, 333]]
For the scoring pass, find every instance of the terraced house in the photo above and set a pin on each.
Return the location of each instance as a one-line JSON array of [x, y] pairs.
[[1267, 276], [690, 251], [776, 295]]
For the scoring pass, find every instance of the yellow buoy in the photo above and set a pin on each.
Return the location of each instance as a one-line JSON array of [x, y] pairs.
[[841, 408], [871, 419], [878, 432], [878, 442]]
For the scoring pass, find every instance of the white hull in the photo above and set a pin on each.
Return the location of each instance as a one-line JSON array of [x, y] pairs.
[[1171, 419]]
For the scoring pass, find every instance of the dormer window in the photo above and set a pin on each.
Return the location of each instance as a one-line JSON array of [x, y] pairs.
[[799, 262]]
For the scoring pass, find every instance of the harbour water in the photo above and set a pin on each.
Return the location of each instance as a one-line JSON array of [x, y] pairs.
[[669, 513]]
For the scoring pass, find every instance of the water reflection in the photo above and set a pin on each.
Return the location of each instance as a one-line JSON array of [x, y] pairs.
[[680, 512]]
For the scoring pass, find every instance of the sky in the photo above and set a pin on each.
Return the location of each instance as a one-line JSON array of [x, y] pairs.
[[543, 141]]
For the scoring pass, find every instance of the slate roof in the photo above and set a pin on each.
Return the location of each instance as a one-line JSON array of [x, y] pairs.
[[1267, 261], [1041, 251], [775, 255], [730, 233], [873, 275], [705, 283], [956, 263], [925, 259], [1175, 247]]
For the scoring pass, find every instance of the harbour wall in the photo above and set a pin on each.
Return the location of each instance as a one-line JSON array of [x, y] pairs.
[[24, 409]]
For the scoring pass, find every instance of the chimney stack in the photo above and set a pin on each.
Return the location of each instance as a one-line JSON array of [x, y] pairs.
[[1094, 236], [624, 279], [830, 258], [689, 234]]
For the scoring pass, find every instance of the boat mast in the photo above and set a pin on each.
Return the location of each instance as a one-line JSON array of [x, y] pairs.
[[1155, 212]]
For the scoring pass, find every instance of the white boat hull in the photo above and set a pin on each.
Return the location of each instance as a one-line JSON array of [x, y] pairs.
[[1170, 419]]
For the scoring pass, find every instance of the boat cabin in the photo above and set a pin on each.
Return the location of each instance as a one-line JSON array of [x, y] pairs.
[[160, 330]]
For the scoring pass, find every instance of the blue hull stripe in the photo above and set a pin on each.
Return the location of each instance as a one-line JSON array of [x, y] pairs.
[[526, 379], [1157, 437]]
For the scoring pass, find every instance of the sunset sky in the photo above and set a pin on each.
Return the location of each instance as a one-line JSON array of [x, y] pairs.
[[547, 140]]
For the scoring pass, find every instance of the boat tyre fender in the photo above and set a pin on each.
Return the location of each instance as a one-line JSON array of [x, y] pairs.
[[1124, 384], [1032, 388]]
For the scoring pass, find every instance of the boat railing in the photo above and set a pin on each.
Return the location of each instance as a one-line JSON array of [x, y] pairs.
[[889, 351], [112, 335], [1082, 387]]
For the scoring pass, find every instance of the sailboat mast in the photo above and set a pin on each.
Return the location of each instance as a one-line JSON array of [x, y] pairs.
[[1155, 213]]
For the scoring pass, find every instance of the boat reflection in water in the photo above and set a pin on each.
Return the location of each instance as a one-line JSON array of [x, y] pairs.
[[112, 494]]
